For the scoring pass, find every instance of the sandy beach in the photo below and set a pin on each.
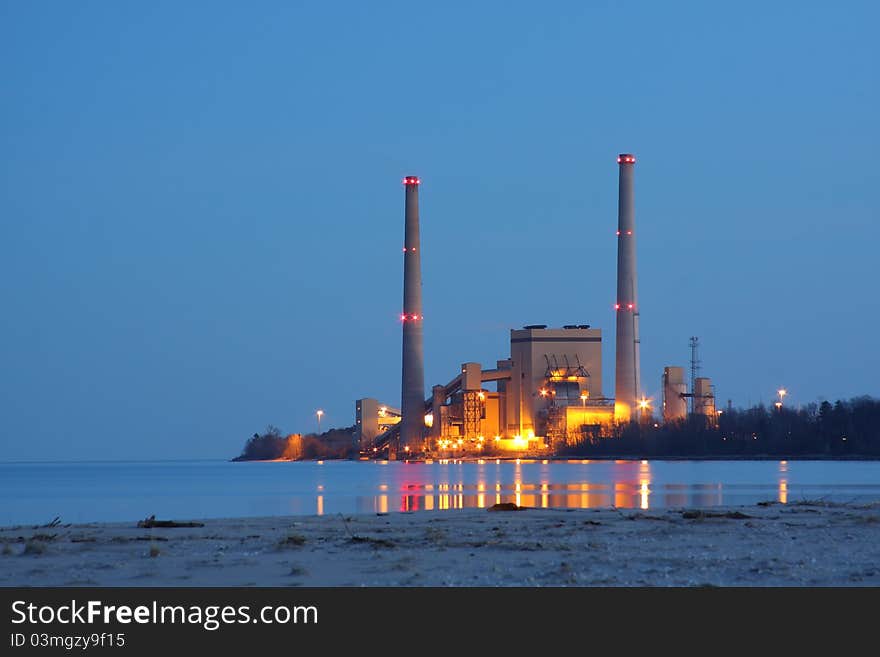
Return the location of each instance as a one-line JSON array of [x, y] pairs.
[[803, 544]]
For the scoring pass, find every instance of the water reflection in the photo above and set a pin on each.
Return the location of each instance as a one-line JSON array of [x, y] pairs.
[[536, 483], [783, 482], [631, 488]]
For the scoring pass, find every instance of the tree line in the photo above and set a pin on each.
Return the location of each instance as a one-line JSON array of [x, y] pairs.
[[272, 445], [842, 429]]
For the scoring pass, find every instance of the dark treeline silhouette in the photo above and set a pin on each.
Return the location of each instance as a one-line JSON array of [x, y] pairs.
[[843, 429], [272, 445]]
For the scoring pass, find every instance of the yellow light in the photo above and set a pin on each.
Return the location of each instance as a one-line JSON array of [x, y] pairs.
[[481, 395], [406, 449], [497, 438], [481, 439], [778, 404], [383, 411], [429, 420], [531, 434], [782, 392], [543, 392], [644, 403]]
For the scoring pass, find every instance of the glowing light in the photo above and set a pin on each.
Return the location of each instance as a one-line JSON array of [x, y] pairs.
[[782, 392], [543, 392], [429, 419], [402, 318], [778, 405], [411, 180], [630, 306], [618, 232], [383, 411], [481, 395], [497, 438], [616, 306], [406, 449], [644, 403]]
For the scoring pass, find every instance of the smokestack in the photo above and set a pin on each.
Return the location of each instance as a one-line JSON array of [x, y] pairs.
[[412, 404], [626, 374]]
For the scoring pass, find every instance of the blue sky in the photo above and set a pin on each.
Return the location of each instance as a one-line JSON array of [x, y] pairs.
[[201, 210]]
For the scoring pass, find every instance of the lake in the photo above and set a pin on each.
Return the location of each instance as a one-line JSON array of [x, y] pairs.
[[33, 493]]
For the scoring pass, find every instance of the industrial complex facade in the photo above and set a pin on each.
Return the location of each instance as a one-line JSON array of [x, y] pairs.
[[546, 395]]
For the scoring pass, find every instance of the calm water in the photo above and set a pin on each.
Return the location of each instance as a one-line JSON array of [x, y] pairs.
[[85, 492]]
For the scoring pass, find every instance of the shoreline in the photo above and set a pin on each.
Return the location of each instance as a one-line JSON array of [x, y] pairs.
[[769, 544], [604, 457]]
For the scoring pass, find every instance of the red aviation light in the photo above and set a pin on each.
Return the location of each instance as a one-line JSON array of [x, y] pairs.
[[411, 180], [626, 158], [616, 306], [629, 306]]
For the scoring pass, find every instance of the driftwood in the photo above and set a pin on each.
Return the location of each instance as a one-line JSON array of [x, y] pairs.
[[700, 515], [151, 522]]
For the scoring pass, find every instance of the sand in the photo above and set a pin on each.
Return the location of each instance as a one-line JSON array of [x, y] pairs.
[[804, 544]]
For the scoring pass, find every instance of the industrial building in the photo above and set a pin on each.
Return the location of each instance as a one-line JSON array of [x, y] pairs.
[[546, 394]]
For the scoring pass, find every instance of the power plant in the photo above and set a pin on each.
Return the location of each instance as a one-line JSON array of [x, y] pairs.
[[547, 394]]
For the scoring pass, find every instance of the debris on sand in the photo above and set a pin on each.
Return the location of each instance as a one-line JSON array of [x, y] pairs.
[[506, 506], [151, 522], [292, 540], [375, 542]]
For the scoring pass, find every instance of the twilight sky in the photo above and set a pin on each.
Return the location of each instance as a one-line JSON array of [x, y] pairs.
[[201, 208]]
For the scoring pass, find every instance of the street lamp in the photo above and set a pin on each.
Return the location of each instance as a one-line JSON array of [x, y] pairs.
[[584, 396], [319, 413]]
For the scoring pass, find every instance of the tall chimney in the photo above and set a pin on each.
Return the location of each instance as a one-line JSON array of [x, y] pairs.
[[626, 373], [412, 404]]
